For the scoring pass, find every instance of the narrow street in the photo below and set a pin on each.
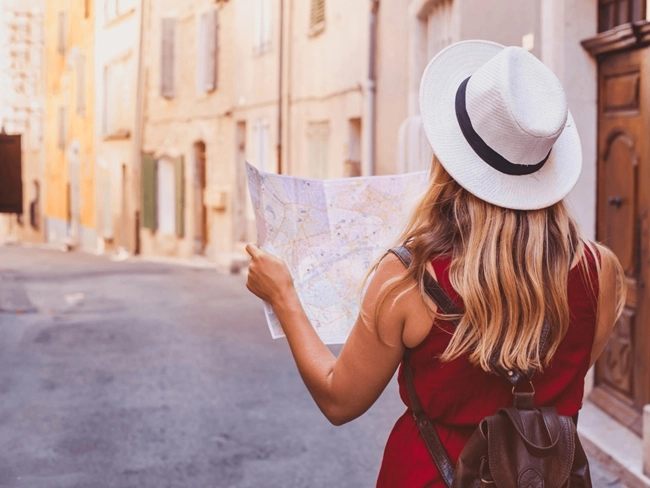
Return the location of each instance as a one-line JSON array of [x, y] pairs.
[[139, 374]]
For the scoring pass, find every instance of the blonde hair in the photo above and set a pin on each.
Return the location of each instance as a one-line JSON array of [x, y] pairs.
[[510, 267]]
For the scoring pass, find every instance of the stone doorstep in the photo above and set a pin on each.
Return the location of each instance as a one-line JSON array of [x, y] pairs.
[[618, 449]]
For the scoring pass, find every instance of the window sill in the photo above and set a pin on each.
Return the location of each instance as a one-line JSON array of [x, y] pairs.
[[118, 18], [262, 50], [117, 136], [317, 29]]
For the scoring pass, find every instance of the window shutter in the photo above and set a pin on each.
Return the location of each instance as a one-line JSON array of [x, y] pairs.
[[63, 20], [62, 128], [148, 175], [167, 58], [11, 175], [317, 12], [266, 24], [107, 230], [180, 196], [211, 51], [257, 25], [81, 83], [202, 54]]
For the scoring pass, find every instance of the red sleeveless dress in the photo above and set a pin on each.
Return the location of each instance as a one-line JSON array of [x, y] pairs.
[[458, 395]]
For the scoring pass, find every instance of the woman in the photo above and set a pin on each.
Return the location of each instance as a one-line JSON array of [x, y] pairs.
[[493, 230]]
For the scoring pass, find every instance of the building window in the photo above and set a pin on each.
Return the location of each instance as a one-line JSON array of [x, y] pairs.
[[353, 162], [80, 71], [63, 120], [262, 144], [166, 197], [116, 8], [117, 87], [167, 61], [62, 32], [612, 13], [318, 135], [317, 17], [36, 126], [263, 26], [206, 76]]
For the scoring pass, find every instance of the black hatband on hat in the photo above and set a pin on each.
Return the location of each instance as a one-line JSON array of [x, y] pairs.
[[481, 148]]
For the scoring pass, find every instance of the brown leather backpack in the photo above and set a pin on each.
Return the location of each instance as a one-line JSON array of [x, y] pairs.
[[518, 447]]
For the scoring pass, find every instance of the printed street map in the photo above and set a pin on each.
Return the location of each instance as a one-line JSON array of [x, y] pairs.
[[329, 232]]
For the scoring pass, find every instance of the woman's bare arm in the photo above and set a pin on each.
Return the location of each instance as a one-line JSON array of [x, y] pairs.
[[346, 387]]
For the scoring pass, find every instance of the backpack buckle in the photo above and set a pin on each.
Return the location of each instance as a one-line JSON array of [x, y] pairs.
[[524, 400]]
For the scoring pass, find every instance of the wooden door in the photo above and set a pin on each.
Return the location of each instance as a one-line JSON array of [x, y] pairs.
[[622, 372]]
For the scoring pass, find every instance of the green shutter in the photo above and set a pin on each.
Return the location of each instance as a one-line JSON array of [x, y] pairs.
[[148, 176], [180, 196]]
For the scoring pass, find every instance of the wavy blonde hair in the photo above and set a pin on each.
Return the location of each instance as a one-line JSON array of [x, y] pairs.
[[510, 267]]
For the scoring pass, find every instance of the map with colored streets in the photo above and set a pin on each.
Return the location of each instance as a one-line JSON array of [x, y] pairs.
[[329, 232]]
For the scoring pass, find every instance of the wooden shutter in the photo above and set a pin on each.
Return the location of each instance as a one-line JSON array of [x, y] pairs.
[[149, 178], [211, 51], [266, 24], [257, 25], [207, 65], [167, 58], [63, 21], [11, 175], [317, 12], [62, 128], [80, 66], [179, 179]]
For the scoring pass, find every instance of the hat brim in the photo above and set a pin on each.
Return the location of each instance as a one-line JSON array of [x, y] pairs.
[[440, 81]]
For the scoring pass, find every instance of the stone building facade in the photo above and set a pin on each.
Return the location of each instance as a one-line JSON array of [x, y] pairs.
[[70, 124], [118, 128], [187, 169], [22, 112]]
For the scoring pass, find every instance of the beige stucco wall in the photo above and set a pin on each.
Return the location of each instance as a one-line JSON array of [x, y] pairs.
[[564, 24], [16, 104], [502, 21], [173, 126], [61, 85], [392, 81], [328, 80], [117, 40]]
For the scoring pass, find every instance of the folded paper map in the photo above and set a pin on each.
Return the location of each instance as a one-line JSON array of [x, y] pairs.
[[329, 232]]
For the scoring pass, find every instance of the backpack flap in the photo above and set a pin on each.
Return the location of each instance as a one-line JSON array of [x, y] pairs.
[[530, 448]]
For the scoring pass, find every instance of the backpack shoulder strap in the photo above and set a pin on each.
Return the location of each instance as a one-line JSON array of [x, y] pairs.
[[431, 286], [425, 425]]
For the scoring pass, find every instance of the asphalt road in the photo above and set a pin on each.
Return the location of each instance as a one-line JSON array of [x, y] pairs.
[[138, 374]]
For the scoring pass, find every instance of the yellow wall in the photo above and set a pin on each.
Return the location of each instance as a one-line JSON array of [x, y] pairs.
[[61, 89]]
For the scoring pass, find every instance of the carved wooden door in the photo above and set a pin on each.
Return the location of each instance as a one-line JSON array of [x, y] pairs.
[[622, 372]]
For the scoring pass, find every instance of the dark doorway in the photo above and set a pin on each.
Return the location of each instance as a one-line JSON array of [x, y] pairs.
[[200, 212], [11, 174]]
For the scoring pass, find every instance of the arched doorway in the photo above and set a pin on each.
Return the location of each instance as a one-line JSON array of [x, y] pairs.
[[199, 210]]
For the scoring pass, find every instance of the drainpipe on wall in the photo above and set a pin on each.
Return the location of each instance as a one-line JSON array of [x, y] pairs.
[[137, 133], [372, 88], [280, 86]]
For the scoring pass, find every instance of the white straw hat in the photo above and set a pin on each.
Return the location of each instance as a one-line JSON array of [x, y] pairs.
[[497, 120]]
